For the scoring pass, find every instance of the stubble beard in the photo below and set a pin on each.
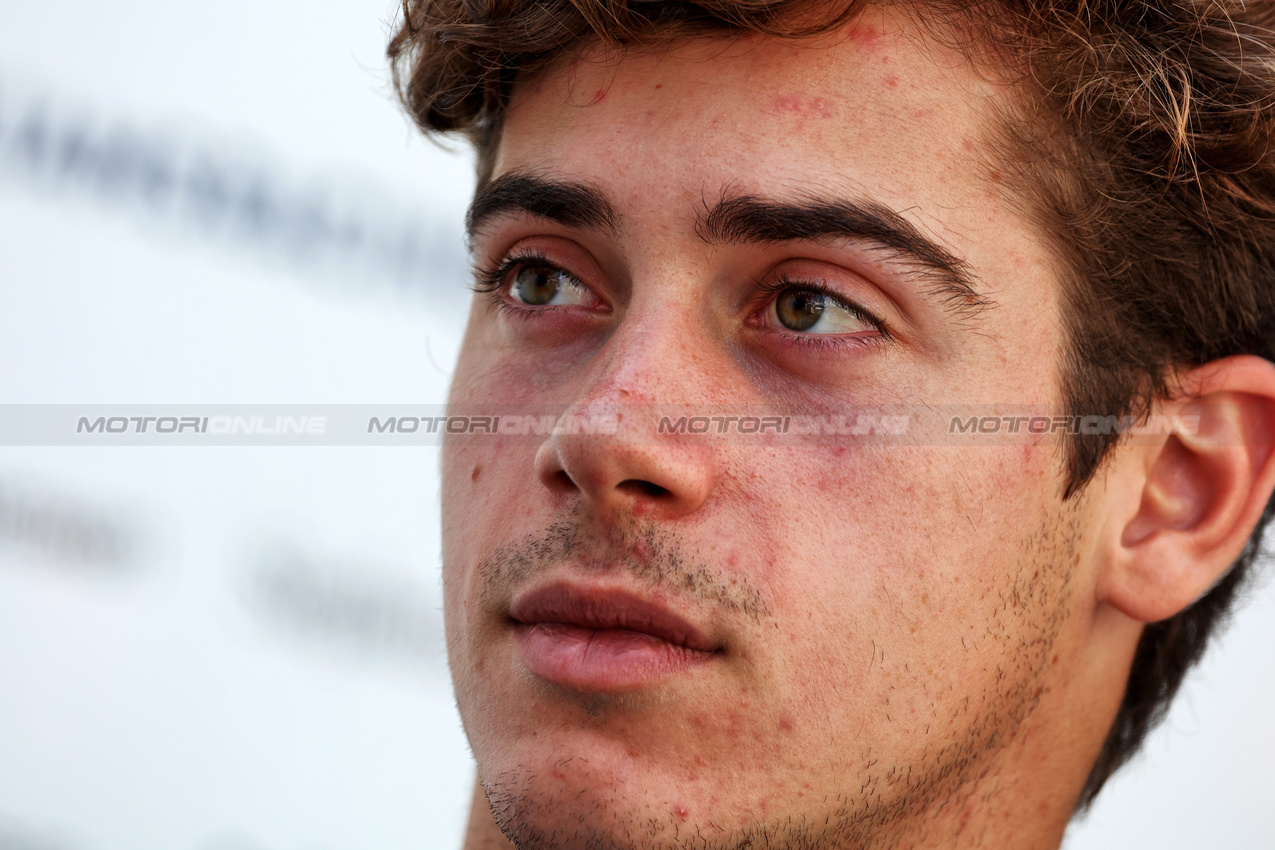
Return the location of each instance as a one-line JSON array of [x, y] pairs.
[[892, 805]]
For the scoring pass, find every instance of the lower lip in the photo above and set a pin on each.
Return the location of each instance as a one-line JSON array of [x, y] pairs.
[[601, 659]]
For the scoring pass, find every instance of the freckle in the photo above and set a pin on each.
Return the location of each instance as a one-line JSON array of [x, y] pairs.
[[659, 85], [478, 470]]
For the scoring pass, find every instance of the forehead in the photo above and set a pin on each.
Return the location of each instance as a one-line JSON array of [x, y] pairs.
[[876, 106]]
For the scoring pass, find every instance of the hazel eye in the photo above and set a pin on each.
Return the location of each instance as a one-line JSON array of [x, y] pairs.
[[807, 310], [541, 285]]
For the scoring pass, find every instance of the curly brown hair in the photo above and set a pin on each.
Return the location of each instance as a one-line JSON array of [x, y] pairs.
[[1143, 148]]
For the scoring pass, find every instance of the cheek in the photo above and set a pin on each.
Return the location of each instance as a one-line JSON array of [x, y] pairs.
[[924, 533]]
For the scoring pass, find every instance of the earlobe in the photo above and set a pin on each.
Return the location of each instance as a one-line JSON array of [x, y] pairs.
[[1199, 490]]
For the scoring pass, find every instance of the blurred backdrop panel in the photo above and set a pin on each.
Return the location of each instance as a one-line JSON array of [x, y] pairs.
[[239, 647]]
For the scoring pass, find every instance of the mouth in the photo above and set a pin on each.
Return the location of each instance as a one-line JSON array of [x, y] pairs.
[[594, 639]]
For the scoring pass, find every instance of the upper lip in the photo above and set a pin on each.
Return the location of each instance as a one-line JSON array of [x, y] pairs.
[[607, 608]]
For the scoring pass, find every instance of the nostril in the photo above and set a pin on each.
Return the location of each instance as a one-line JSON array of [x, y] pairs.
[[644, 488]]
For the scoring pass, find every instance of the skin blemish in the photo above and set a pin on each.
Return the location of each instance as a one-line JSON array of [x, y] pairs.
[[478, 470], [865, 36], [785, 723], [892, 82], [680, 811], [803, 107]]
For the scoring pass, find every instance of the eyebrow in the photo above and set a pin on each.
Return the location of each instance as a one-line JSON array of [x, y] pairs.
[[743, 219], [569, 204], [749, 218]]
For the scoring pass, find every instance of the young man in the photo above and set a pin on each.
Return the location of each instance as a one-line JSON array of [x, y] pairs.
[[662, 638]]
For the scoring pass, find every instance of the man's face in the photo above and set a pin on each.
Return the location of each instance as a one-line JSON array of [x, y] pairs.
[[658, 638]]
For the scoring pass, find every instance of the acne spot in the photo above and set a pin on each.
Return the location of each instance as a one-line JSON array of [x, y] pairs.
[[641, 550], [803, 107], [478, 470], [659, 85], [892, 81], [785, 723], [865, 36], [680, 811]]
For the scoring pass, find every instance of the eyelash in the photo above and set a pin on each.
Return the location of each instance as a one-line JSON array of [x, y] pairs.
[[774, 287], [492, 281]]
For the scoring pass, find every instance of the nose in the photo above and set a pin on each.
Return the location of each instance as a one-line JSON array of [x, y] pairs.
[[633, 469]]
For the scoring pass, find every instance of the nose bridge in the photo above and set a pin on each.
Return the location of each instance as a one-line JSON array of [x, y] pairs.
[[649, 364], [658, 355]]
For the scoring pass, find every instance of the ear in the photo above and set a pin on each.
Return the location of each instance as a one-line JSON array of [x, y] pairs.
[[1181, 506]]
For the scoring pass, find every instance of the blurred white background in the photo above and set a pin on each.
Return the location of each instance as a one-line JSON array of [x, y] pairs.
[[240, 648]]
